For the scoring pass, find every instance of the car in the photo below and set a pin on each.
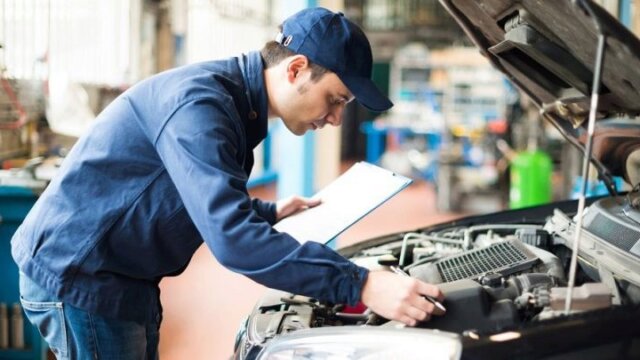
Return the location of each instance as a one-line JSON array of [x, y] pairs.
[[556, 281]]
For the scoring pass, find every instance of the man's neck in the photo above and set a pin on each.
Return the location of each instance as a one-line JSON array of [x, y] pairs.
[[270, 82]]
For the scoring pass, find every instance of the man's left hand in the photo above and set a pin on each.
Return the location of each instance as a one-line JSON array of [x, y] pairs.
[[292, 205]]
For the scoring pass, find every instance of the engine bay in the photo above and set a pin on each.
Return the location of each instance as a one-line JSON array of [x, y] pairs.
[[494, 276]]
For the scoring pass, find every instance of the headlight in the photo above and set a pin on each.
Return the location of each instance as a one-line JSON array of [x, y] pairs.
[[363, 343]]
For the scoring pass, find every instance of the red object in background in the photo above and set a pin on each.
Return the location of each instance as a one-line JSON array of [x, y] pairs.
[[497, 126], [13, 99], [359, 308]]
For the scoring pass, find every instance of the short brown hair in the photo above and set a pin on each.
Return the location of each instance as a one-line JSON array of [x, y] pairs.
[[273, 53]]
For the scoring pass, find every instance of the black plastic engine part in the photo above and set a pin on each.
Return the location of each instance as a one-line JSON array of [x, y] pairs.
[[470, 307], [535, 237]]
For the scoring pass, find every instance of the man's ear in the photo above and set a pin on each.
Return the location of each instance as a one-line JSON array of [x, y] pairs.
[[296, 65]]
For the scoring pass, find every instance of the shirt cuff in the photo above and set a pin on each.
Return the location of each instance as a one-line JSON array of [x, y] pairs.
[[353, 284], [266, 210]]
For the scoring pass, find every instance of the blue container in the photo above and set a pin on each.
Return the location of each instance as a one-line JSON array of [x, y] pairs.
[[15, 203], [594, 187]]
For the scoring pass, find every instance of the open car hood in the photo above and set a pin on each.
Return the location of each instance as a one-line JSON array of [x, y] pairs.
[[548, 49]]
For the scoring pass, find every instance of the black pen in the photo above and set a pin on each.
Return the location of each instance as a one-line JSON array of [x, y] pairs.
[[435, 302]]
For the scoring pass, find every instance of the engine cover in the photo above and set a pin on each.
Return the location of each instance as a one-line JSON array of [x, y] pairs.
[[468, 302]]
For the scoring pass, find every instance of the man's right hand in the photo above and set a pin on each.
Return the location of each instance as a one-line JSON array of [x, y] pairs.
[[400, 298]]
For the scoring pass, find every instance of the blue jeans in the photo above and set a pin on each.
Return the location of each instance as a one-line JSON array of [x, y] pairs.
[[73, 333]]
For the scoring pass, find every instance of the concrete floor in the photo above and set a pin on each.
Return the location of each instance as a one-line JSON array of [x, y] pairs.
[[204, 306]]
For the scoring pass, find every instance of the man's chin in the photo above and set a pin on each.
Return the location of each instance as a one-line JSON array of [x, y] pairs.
[[298, 131]]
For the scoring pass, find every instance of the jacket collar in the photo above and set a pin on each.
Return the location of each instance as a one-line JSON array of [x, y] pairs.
[[252, 70]]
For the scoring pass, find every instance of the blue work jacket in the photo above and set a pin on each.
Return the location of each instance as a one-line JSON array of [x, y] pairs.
[[164, 168]]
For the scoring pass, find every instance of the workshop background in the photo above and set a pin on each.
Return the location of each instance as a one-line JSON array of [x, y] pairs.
[[465, 135]]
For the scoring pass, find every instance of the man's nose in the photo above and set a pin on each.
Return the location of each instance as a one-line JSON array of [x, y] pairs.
[[335, 116]]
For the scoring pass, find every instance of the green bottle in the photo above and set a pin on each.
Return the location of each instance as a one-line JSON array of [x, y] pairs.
[[530, 179]]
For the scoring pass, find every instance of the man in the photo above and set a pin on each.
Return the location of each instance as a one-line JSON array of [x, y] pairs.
[[165, 168]]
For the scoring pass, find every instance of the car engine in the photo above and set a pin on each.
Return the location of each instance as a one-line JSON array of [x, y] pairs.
[[494, 276]]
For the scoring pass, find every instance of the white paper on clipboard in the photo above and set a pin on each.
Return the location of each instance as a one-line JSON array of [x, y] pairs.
[[345, 200]]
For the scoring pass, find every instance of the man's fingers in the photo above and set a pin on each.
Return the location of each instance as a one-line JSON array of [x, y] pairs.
[[399, 298], [437, 310], [310, 202], [427, 317], [303, 202], [419, 299], [418, 314], [293, 205], [414, 316], [407, 320], [427, 305], [314, 202], [430, 290], [421, 303]]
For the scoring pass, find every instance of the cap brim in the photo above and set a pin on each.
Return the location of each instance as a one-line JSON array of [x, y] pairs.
[[367, 93]]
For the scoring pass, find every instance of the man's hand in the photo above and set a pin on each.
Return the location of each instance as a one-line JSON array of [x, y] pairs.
[[400, 298], [292, 205]]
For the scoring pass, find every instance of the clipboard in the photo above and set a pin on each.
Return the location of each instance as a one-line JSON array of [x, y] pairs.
[[345, 201]]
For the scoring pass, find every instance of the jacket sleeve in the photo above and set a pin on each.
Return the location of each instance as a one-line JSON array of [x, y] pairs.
[[201, 147], [266, 209]]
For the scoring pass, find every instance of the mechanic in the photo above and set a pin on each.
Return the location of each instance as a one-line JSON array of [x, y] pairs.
[[165, 167]]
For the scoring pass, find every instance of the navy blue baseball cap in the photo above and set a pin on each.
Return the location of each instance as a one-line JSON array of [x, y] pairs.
[[334, 42]]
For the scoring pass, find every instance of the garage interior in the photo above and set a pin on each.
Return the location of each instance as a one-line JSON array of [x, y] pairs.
[[459, 130]]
